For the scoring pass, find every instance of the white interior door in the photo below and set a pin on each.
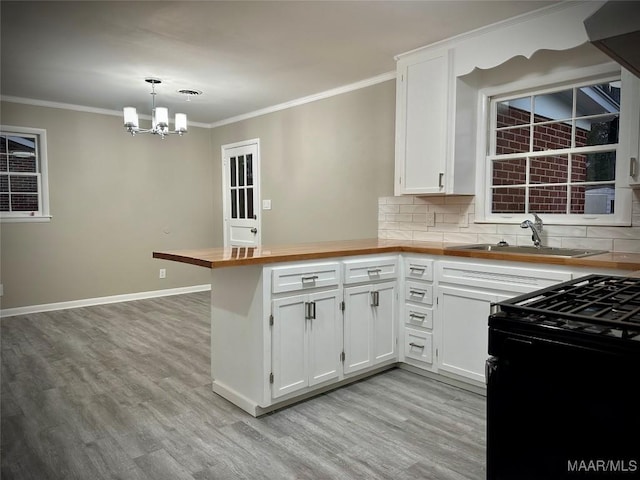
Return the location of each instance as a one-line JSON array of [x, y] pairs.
[[241, 197]]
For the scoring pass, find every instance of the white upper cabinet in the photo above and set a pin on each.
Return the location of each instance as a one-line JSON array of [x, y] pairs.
[[422, 97], [631, 120], [437, 110]]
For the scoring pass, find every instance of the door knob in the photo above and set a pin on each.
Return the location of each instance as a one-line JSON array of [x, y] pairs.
[[254, 230]]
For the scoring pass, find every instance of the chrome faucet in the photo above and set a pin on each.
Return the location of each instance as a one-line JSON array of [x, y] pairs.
[[536, 229]]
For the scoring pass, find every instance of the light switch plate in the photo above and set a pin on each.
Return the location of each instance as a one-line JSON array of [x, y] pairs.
[[266, 204]]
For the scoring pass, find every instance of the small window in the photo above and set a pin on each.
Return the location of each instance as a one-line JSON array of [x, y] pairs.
[[554, 152], [23, 174]]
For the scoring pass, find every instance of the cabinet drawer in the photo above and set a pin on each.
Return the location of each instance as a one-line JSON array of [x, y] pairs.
[[372, 269], [499, 277], [303, 277], [418, 316], [418, 345], [418, 292], [420, 269]]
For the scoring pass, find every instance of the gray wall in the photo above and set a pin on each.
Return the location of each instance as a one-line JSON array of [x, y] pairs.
[[113, 196], [324, 165]]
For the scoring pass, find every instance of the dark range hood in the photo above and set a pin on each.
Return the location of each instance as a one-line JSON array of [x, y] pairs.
[[615, 29]]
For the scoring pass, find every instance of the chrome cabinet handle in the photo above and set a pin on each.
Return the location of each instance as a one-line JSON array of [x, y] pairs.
[[417, 292], [417, 269], [310, 310], [416, 345], [375, 299], [311, 278], [254, 230], [633, 164], [415, 315], [374, 271], [440, 178]]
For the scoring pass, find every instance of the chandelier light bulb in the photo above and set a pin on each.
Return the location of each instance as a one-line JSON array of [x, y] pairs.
[[162, 117], [181, 123], [130, 117]]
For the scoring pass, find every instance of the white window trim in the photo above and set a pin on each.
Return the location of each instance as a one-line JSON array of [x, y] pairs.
[[622, 215], [43, 179]]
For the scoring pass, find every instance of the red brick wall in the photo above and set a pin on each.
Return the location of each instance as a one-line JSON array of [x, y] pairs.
[[23, 187], [551, 169]]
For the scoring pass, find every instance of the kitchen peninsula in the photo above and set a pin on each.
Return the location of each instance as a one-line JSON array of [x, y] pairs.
[[291, 321]]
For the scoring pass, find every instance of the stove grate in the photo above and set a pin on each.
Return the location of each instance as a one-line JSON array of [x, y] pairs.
[[598, 304]]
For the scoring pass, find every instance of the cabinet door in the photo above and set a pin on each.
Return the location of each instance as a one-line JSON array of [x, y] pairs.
[[464, 314], [630, 134], [421, 135], [289, 345], [384, 321], [357, 328], [325, 337]]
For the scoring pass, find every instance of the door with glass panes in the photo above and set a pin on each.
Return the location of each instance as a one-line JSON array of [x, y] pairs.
[[241, 181]]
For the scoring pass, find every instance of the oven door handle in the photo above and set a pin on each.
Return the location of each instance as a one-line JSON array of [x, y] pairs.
[[490, 367]]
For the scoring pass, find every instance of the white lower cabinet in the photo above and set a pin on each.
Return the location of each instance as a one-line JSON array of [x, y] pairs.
[[464, 337], [369, 325], [306, 341], [285, 331], [465, 292], [418, 345], [417, 313]]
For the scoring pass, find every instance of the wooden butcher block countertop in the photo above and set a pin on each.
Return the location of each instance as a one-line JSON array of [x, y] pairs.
[[236, 256]]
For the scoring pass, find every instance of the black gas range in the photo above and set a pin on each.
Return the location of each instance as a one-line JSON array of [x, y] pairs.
[[562, 381]]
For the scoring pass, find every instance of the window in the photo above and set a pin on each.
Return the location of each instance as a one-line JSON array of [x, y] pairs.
[[555, 152], [23, 174]]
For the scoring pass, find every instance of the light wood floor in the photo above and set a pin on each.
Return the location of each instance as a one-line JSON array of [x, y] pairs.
[[123, 391]]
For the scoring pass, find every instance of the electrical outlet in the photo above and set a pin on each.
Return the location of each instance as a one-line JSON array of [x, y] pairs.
[[163, 273]]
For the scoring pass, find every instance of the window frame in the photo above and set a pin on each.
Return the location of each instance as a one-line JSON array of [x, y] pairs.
[[43, 212], [488, 99]]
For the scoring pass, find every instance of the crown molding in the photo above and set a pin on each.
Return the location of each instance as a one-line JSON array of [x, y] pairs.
[[79, 108], [274, 108], [311, 98], [518, 19]]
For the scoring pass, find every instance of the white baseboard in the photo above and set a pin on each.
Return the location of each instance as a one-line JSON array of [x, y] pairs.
[[87, 302]]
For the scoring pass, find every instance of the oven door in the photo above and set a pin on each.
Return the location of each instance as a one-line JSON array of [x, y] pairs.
[[558, 412]]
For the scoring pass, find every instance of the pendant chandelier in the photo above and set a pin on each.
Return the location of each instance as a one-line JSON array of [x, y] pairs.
[[159, 117]]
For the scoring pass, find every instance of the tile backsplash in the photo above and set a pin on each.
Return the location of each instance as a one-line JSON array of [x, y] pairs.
[[450, 219]]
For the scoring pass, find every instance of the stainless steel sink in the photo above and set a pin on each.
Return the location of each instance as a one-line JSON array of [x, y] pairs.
[[529, 250]]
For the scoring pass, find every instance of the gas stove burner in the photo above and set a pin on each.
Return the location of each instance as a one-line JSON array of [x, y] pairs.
[[596, 304]]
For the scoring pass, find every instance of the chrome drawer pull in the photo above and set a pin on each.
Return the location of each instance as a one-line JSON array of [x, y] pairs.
[[415, 315], [374, 271], [417, 269], [416, 345], [312, 278], [417, 292]]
